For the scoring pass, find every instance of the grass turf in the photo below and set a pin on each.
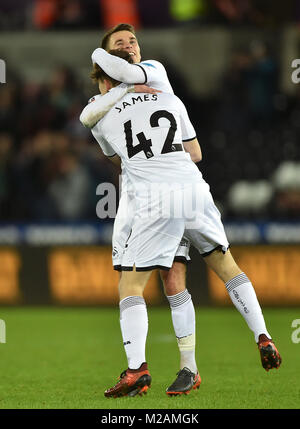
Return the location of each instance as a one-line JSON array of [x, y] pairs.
[[64, 358]]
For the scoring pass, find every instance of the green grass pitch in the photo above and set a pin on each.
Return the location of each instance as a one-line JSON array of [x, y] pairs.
[[64, 358]]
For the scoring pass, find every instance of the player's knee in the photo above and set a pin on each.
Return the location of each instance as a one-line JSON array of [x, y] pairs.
[[126, 290], [229, 268], [223, 264], [174, 279]]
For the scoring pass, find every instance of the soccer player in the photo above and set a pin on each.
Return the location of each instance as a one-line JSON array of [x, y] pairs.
[[123, 38], [147, 134]]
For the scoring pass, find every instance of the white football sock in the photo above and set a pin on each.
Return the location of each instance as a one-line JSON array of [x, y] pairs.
[[183, 317], [244, 298], [134, 328]]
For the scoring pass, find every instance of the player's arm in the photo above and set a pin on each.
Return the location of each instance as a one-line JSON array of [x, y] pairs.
[[107, 150], [194, 149], [96, 109], [189, 138], [118, 68], [121, 70]]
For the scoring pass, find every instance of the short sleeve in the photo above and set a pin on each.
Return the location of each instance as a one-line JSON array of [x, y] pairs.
[[155, 75], [187, 128], [105, 146]]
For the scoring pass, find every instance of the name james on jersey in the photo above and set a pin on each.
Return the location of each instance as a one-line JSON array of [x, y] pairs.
[[134, 100]]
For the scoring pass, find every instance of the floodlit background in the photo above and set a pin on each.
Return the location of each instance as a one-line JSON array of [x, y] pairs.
[[229, 61]]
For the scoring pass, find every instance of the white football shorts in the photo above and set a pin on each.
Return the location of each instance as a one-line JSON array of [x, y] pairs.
[[153, 240], [122, 231]]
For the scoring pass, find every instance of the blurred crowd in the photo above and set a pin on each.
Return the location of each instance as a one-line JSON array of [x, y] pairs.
[[89, 14], [251, 139], [50, 165]]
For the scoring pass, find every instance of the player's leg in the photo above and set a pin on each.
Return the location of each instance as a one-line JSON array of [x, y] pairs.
[[134, 327], [133, 316], [143, 252], [183, 318], [182, 313], [240, 290], [122, 229], [243, 296], [184, 323], [207, 234]]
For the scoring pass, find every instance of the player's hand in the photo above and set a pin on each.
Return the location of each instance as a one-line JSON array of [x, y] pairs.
[[145, 88]]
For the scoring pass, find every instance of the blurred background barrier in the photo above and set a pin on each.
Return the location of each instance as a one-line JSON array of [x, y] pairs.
[[39, 268], [231, 64], [73, 275]]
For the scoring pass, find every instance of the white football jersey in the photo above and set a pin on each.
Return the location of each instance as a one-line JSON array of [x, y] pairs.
[[156, 75], [147, 131], [151, 72]]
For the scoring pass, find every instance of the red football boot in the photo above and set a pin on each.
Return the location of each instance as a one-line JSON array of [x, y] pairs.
[[270, 357], [131, 382]]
